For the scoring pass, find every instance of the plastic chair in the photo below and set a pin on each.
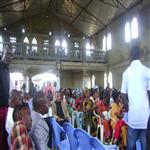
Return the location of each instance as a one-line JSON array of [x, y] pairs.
[[83, 139], [56, 137], [69, 129], [96, 144], [100, 127]]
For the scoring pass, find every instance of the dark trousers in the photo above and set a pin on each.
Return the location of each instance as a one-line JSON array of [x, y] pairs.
[[3, 133], [148, 135], [133, 136]]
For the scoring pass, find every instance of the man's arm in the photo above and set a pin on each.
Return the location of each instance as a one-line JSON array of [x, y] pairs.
[[148, 96], [125, 101]]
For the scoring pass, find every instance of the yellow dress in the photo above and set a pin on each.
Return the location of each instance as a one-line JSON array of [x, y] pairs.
[[115, 109]]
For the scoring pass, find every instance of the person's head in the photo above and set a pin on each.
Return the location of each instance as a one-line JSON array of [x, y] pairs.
[[26, 97], [22, 113], [7, 55], [135, 52], [58, 96], [96, 94], [40, 103], [15, 98], [116, 96]]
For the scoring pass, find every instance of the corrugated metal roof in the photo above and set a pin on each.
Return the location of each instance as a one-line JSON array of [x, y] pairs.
[[88, 16]]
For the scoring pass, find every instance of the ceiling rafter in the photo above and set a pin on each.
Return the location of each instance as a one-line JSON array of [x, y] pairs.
[[81, 18], [109, 4], [82, 10], [127, 10], [89, 13], [10, 4], [119, 2]]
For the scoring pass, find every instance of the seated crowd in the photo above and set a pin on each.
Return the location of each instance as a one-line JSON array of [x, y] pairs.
[[28, 126]]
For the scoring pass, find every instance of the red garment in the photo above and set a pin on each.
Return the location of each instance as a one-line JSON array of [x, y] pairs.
[[101, 107], [118, 127], [20, 138], [3, 133]]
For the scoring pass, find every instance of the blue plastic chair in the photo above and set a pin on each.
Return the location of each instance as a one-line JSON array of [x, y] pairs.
[[83, 139], [96, 144], [56, 137], [69, 129]]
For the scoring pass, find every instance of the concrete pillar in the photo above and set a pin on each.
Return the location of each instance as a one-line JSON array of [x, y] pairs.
[[86, 79], [58, 80], [26, 82]]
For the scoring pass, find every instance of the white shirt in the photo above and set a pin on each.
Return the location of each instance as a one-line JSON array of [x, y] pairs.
[[136, 83], [9, 120], [9, 123]]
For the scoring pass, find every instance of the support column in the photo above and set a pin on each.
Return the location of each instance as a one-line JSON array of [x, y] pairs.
[[86, 79]]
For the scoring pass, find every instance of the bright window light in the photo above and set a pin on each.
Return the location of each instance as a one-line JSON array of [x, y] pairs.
[[64, 45], [110, 79], [108, 41], [104, 43], [57, 43], [92, 46], [26, 40], [16, 80], [23, 30], [50, 33], [105, 80], [1, 45], [46, 42], [134, 28], [76, 44], [127, 32], [12, 40], [88, 47], [93, 81], [34, 48]]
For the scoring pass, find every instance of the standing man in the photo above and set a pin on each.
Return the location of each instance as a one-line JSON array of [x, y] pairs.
[[4, 94], [135, 89]]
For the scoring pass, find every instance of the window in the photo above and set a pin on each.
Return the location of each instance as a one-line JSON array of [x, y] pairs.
[[127, 32], [46, 43], [13, 40], [88, 47], [76, 44], [92, 46], [1, 45], [110, 79], [26, 40], [34, 42], [105, 80], [64, 46], [131, 30], [108, 41], [134, 28], [93, 81], [57, 43], [104, 43]]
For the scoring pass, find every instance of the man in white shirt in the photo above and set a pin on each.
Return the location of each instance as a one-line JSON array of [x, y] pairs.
[[15, 100], [135, 89]]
